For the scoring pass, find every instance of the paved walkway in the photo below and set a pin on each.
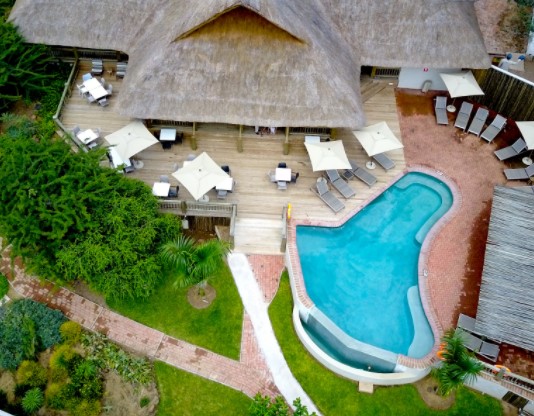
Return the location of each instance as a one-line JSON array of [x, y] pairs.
[[250, 374]]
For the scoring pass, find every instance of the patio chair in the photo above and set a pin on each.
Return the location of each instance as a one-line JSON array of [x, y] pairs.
[[164, 178], [76, 130], [518, 174], [86, 77], [383, 160], [338, 183], [173, 191], [282, 185], [222, 193], [361, 174], [478, 121], [109, 89], [282, 165], [81, 89], [441, 110], [515, 149], [129, 169], [466, 322], [294, 177], [322, 191], [494, 128], [121, 69], [166, 145], [463, 115], [97, 66], [190, 157], [489, 351], [103, 102], [470, 341], [272, 176], [226, 168], [91, 99]]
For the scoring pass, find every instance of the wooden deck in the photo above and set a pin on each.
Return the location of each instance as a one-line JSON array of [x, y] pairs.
[[260, 204]]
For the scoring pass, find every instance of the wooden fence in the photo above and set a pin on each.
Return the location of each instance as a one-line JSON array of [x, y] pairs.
[[505, 93]]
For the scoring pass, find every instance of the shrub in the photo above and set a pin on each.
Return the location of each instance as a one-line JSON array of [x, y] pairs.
[[32, 374], [87, 408], [56, 395], [70, 332], [4, 286], [144, 402], [63, 357], [33, 400]]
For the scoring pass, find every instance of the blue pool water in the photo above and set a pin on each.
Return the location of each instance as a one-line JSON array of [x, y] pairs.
[[363, 275]]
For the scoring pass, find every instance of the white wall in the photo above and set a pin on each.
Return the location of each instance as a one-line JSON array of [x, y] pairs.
[[416, 77]]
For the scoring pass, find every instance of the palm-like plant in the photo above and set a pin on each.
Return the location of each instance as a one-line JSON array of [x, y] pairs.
[[459, 366], [194, 262]]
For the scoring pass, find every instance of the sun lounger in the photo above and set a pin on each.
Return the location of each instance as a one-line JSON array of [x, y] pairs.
[[494, 128], [478, 121], [466, 322], [357, 172], [470, 341], [489, 351], [463, 115], [328, 197], [510, 151], [441, 110], [338, 183], [383, 160], [518, 174]]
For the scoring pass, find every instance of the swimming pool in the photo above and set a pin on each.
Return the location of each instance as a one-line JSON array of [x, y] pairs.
[[362, 276]]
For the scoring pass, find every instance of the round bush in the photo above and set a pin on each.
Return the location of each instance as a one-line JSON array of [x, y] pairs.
[[32, 374], [144, 402], [4, 286], [56, 395], [70, 332], [33, 400]]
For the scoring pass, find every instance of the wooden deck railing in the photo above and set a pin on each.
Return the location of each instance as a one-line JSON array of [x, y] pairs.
[[515, 383]]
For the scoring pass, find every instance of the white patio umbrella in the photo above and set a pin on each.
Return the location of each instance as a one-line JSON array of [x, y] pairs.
[[200, 175], [377, 138], [527, 131], [327, 155], [131, 139], [461, 84]]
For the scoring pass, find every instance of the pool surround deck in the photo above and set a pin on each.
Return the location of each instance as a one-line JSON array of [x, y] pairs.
[[303, 301]]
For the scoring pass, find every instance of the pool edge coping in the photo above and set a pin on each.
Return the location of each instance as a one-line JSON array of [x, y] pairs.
[[295, 270]]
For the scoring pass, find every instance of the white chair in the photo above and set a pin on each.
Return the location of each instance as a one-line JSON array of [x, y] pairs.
[[103, 102], [86, 77], [109, 89]]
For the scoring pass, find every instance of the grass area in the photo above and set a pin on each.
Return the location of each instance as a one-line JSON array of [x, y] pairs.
[[334, 395], [216, 328], [182, 393]]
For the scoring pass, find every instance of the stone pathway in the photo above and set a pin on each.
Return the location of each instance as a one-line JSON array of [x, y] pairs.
[[250, 374]]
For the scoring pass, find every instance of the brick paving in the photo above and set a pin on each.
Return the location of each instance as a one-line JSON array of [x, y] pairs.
[[267, 270], [250, 374]]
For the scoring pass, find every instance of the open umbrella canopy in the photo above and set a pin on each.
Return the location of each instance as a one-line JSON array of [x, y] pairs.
[[131, 139], [527, 131], [200, 175], [377, 138], [461, 84], [327, 155]]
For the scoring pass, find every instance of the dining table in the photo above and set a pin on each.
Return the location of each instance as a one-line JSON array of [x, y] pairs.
[[282, 174], [94, 88], [227, 184], [161, 189]]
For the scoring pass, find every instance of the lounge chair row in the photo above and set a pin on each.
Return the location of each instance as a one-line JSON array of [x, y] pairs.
[[478, 122], [466, 330]]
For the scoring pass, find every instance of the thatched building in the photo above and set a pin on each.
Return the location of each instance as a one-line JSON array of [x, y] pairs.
[[268, 62]]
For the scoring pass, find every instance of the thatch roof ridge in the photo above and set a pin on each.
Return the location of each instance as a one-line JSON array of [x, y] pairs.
[[280, 80], [506, 301]]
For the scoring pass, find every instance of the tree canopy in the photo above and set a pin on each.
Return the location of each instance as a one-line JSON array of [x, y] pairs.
[[70, 218]]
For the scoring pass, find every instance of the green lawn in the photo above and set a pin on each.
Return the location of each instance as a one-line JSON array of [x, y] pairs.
[[216, 328], [338, 396], [183, 393]]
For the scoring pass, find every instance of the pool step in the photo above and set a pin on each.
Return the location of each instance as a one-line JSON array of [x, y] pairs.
[[258, 235]]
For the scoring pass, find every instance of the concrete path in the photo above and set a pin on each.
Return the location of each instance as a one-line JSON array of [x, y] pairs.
[[257, 310]]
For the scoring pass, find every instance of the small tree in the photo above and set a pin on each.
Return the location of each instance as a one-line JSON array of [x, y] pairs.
[[459, 366], [195, 263]]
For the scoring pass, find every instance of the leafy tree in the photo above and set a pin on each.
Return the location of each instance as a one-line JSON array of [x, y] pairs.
[[459, 366], [33, 400], [69, 218], [195, 263]]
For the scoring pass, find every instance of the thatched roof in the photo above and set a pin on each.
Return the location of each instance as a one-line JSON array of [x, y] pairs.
[[268, 62], [506, 303]]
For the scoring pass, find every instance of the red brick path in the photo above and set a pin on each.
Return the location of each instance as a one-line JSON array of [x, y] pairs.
[[250, 374]]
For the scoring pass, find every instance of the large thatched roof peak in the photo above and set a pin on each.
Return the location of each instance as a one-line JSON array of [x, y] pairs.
[[273, 62]]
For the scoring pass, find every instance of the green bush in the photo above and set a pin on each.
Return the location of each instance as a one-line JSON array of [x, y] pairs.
[[32, 374], [57, 395], [4, 286], [26, 327], [87, 408], [64, 357], [144, 402], [33, 400], [70, 332]]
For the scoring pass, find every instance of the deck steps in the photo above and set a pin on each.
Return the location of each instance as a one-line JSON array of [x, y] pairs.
[[258, 235]]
